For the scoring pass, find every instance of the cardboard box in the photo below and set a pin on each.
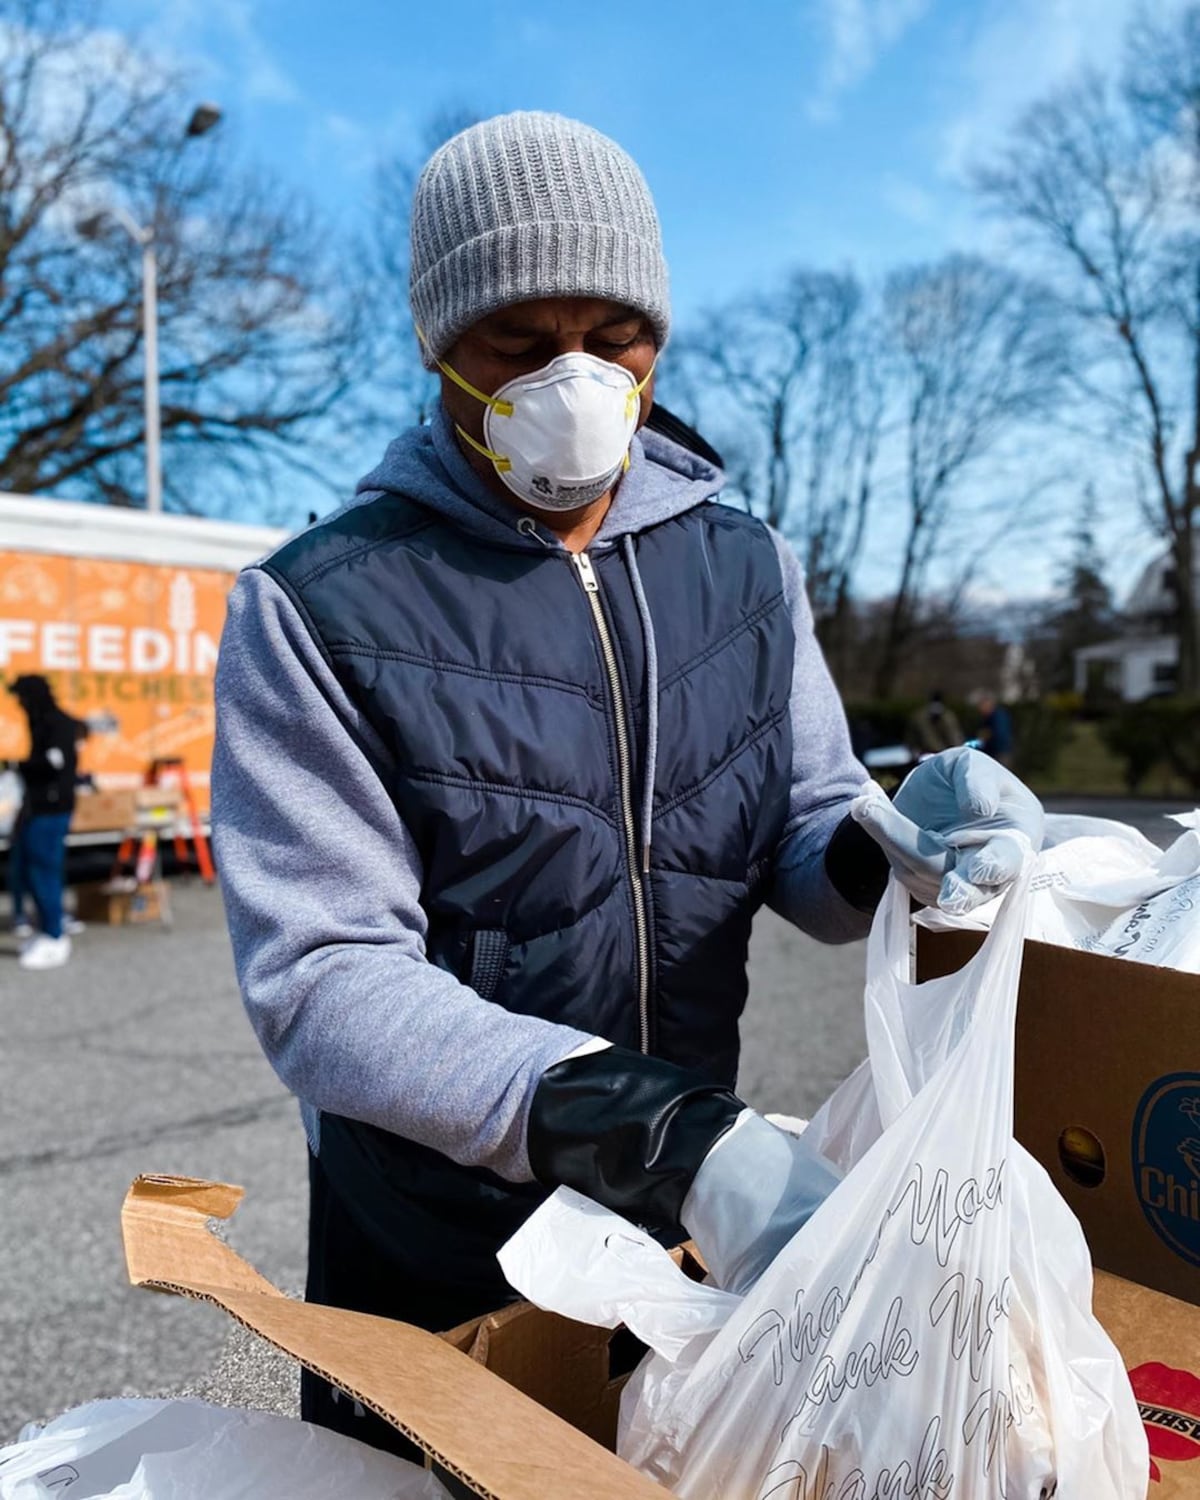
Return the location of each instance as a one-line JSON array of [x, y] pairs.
[[477, 1426], [1159, 1340], [493, 1403], [104, 812], [157, 806], [119, 904], [1107, 1098]]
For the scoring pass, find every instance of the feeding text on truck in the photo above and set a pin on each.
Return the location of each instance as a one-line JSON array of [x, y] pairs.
[[122, 611]]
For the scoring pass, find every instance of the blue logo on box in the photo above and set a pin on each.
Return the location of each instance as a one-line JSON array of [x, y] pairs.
[[1166, 1161]]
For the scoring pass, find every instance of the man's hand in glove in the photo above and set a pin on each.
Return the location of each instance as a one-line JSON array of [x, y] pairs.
[[666, 1148], [754, 1190], [958, 829]]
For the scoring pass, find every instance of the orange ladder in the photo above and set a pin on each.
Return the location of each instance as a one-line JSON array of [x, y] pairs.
[[176, 775]]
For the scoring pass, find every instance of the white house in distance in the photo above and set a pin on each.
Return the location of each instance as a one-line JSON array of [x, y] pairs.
[[1144, 662]]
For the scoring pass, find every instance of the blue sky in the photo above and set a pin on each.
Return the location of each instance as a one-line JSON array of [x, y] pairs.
[[833, 132], [824, 132]]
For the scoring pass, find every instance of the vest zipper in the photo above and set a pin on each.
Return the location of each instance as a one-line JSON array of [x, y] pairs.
[[591, 587]]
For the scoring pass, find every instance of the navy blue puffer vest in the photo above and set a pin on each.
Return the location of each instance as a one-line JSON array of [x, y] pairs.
[[483, 671]]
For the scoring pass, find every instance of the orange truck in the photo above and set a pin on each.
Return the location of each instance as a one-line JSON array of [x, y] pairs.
[[122, 612]]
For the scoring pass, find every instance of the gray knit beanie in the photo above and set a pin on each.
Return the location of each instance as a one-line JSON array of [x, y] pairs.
[[531, 205]]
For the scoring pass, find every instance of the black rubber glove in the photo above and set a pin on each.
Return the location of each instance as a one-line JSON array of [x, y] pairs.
[[659, 1145], [626, 1130], [857, 867]]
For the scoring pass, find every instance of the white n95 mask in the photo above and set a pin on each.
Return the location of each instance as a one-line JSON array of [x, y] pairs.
[[559, 437]]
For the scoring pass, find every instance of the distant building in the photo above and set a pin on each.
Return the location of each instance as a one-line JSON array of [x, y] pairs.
[[1143, 662]]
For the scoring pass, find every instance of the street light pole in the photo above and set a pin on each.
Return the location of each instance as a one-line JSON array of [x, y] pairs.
[[144, 236], [150, 334], [202, 120]]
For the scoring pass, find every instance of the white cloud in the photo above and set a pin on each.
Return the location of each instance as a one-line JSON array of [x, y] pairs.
[[333, 137], [858, 33], [220, 40], [258, 72], [343, 128], [911, 201], [1017, 52]]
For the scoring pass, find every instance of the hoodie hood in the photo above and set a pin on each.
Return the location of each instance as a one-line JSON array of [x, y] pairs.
[[426, 465]]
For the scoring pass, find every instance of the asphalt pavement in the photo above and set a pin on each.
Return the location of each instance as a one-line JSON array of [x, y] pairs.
[[137, 1057]]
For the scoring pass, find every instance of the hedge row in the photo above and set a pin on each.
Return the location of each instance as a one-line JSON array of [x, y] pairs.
[[1162, 733]]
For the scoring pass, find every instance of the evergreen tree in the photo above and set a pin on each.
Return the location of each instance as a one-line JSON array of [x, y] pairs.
[[1082, 613]]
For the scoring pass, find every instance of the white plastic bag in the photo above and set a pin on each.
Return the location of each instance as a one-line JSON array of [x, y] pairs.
[[1103, 887], [929, 1332], [1163, 930], [11, 792], [189, 1450]]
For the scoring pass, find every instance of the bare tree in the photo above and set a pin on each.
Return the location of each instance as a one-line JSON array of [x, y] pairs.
[[257, 333], [786, 384], [976, 354], [1107, 183]]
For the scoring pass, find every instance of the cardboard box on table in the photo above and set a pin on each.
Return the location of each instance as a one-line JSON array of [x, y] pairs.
[[104, 811], [157, 806], [522, 1405], [125, 809], [145, 814]]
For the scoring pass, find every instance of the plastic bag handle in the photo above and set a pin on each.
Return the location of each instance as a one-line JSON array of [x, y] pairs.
[[992, 976]]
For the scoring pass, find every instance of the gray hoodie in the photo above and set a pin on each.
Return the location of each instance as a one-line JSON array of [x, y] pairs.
[[322, 880]]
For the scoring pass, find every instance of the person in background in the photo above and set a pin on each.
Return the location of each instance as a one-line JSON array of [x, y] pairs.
[[934, 726], [509, 752], [996, 728], [37, 858]]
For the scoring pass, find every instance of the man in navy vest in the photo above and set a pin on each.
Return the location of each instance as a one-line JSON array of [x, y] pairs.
[[509, 752]]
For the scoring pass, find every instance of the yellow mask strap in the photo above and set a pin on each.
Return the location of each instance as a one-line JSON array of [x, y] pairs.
[[631, 401], [503, 465], [501, 408]]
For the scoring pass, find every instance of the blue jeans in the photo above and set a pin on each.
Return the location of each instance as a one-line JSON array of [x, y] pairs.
[[37, 865]]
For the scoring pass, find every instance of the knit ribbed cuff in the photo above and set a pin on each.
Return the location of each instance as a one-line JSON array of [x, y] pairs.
[[522, 262]]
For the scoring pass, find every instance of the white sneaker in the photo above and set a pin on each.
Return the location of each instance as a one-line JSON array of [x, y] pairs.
[[46, 953], [72, 926], [21, 929]]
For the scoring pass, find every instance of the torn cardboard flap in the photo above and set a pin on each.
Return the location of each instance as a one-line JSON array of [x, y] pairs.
[[490, 1435], [165, 1224]]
